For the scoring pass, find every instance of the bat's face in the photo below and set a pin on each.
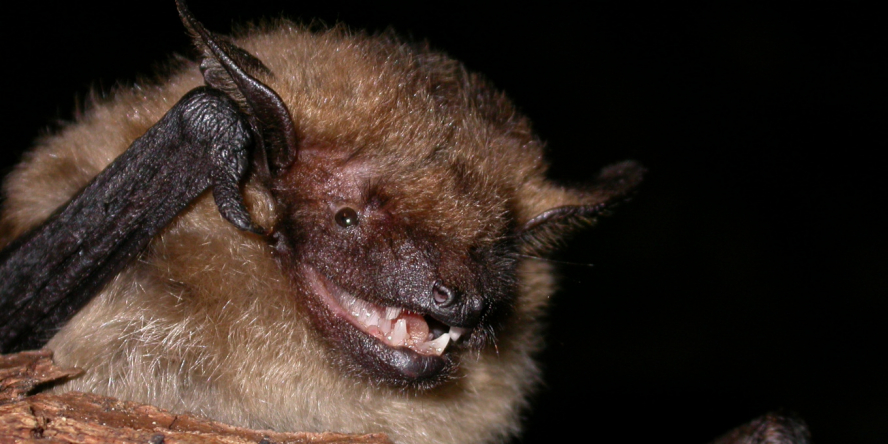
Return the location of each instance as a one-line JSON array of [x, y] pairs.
[[403, 267]]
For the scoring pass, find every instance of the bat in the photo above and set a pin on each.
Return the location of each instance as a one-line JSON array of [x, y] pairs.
[[367, 260]]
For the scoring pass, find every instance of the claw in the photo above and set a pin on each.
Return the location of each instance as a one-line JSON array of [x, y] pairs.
[[231, 206]]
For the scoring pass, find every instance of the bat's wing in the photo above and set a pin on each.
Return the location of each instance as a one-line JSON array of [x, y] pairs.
[[204, 140], [51, 272]]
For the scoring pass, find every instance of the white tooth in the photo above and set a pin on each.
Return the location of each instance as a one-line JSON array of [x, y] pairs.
[[356, 307], [399, 335], [456, 332], [366, 308], [374, 318], [392, 312], [438, 345], [386, 326]]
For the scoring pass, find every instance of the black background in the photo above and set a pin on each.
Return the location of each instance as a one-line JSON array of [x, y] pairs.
[[749, 274]]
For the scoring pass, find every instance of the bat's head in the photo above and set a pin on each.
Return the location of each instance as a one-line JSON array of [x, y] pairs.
[[406, 192], [405, 260]]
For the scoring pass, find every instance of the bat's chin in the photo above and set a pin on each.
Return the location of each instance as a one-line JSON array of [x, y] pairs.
[[387, 343]]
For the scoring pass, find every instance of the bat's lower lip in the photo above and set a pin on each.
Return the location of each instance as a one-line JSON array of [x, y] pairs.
[[417, 362]]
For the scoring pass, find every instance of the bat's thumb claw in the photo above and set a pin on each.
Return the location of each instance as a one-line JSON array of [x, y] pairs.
[[243, 222], [231, 207], [256, 229], [240, 218]]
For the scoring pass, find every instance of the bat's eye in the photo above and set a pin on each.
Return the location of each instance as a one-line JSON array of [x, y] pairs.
[[346, 217]]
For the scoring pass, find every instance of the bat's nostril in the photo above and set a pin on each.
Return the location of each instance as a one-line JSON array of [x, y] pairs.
[[442, 295]]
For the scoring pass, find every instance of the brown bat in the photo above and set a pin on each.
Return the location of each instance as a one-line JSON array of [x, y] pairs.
[[366, 262]]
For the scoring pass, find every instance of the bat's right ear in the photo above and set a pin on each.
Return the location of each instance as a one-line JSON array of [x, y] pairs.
[[559, 210], [235, 72]]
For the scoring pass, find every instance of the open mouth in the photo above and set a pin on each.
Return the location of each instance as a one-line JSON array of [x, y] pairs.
[[395, 327]]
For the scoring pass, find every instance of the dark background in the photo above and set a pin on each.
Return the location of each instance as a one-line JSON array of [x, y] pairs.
[[748, 275]]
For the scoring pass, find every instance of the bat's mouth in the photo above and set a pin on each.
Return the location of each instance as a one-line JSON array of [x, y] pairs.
[[389, 339]]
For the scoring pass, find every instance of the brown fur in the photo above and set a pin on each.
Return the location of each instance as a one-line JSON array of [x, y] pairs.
[[207, 320]]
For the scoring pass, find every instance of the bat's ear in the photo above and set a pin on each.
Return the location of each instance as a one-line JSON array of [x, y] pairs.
[[234, 71], [559, 210]]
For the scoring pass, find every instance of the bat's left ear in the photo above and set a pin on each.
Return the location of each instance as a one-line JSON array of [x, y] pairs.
[[560, 210], [235, 72]]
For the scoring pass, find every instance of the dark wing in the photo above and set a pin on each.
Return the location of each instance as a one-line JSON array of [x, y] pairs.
[[203, 141], [55, 269]]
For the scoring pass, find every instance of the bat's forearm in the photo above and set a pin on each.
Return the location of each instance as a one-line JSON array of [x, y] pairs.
[[49, 273]]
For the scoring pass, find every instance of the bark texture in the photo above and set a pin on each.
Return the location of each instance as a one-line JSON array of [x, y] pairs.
[[92, 419]]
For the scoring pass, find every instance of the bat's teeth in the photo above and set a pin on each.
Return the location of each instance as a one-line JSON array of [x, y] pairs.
[[394, 326], [455, 333], [392, 313], [437, 346], [385, 326], [398, 336], [357, 308], [373, 318]]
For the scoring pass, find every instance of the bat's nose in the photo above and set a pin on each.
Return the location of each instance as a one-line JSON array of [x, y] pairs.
[[443, 295], [454, 307]]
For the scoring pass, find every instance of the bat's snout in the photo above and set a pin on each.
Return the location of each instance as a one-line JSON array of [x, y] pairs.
[[453, 307]]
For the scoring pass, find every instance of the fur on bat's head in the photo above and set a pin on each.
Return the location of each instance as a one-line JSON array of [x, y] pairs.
[[404, 192]]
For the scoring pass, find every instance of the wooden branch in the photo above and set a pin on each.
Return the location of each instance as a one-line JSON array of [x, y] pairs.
[[76, 417], [21, 372], [85, 418]]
